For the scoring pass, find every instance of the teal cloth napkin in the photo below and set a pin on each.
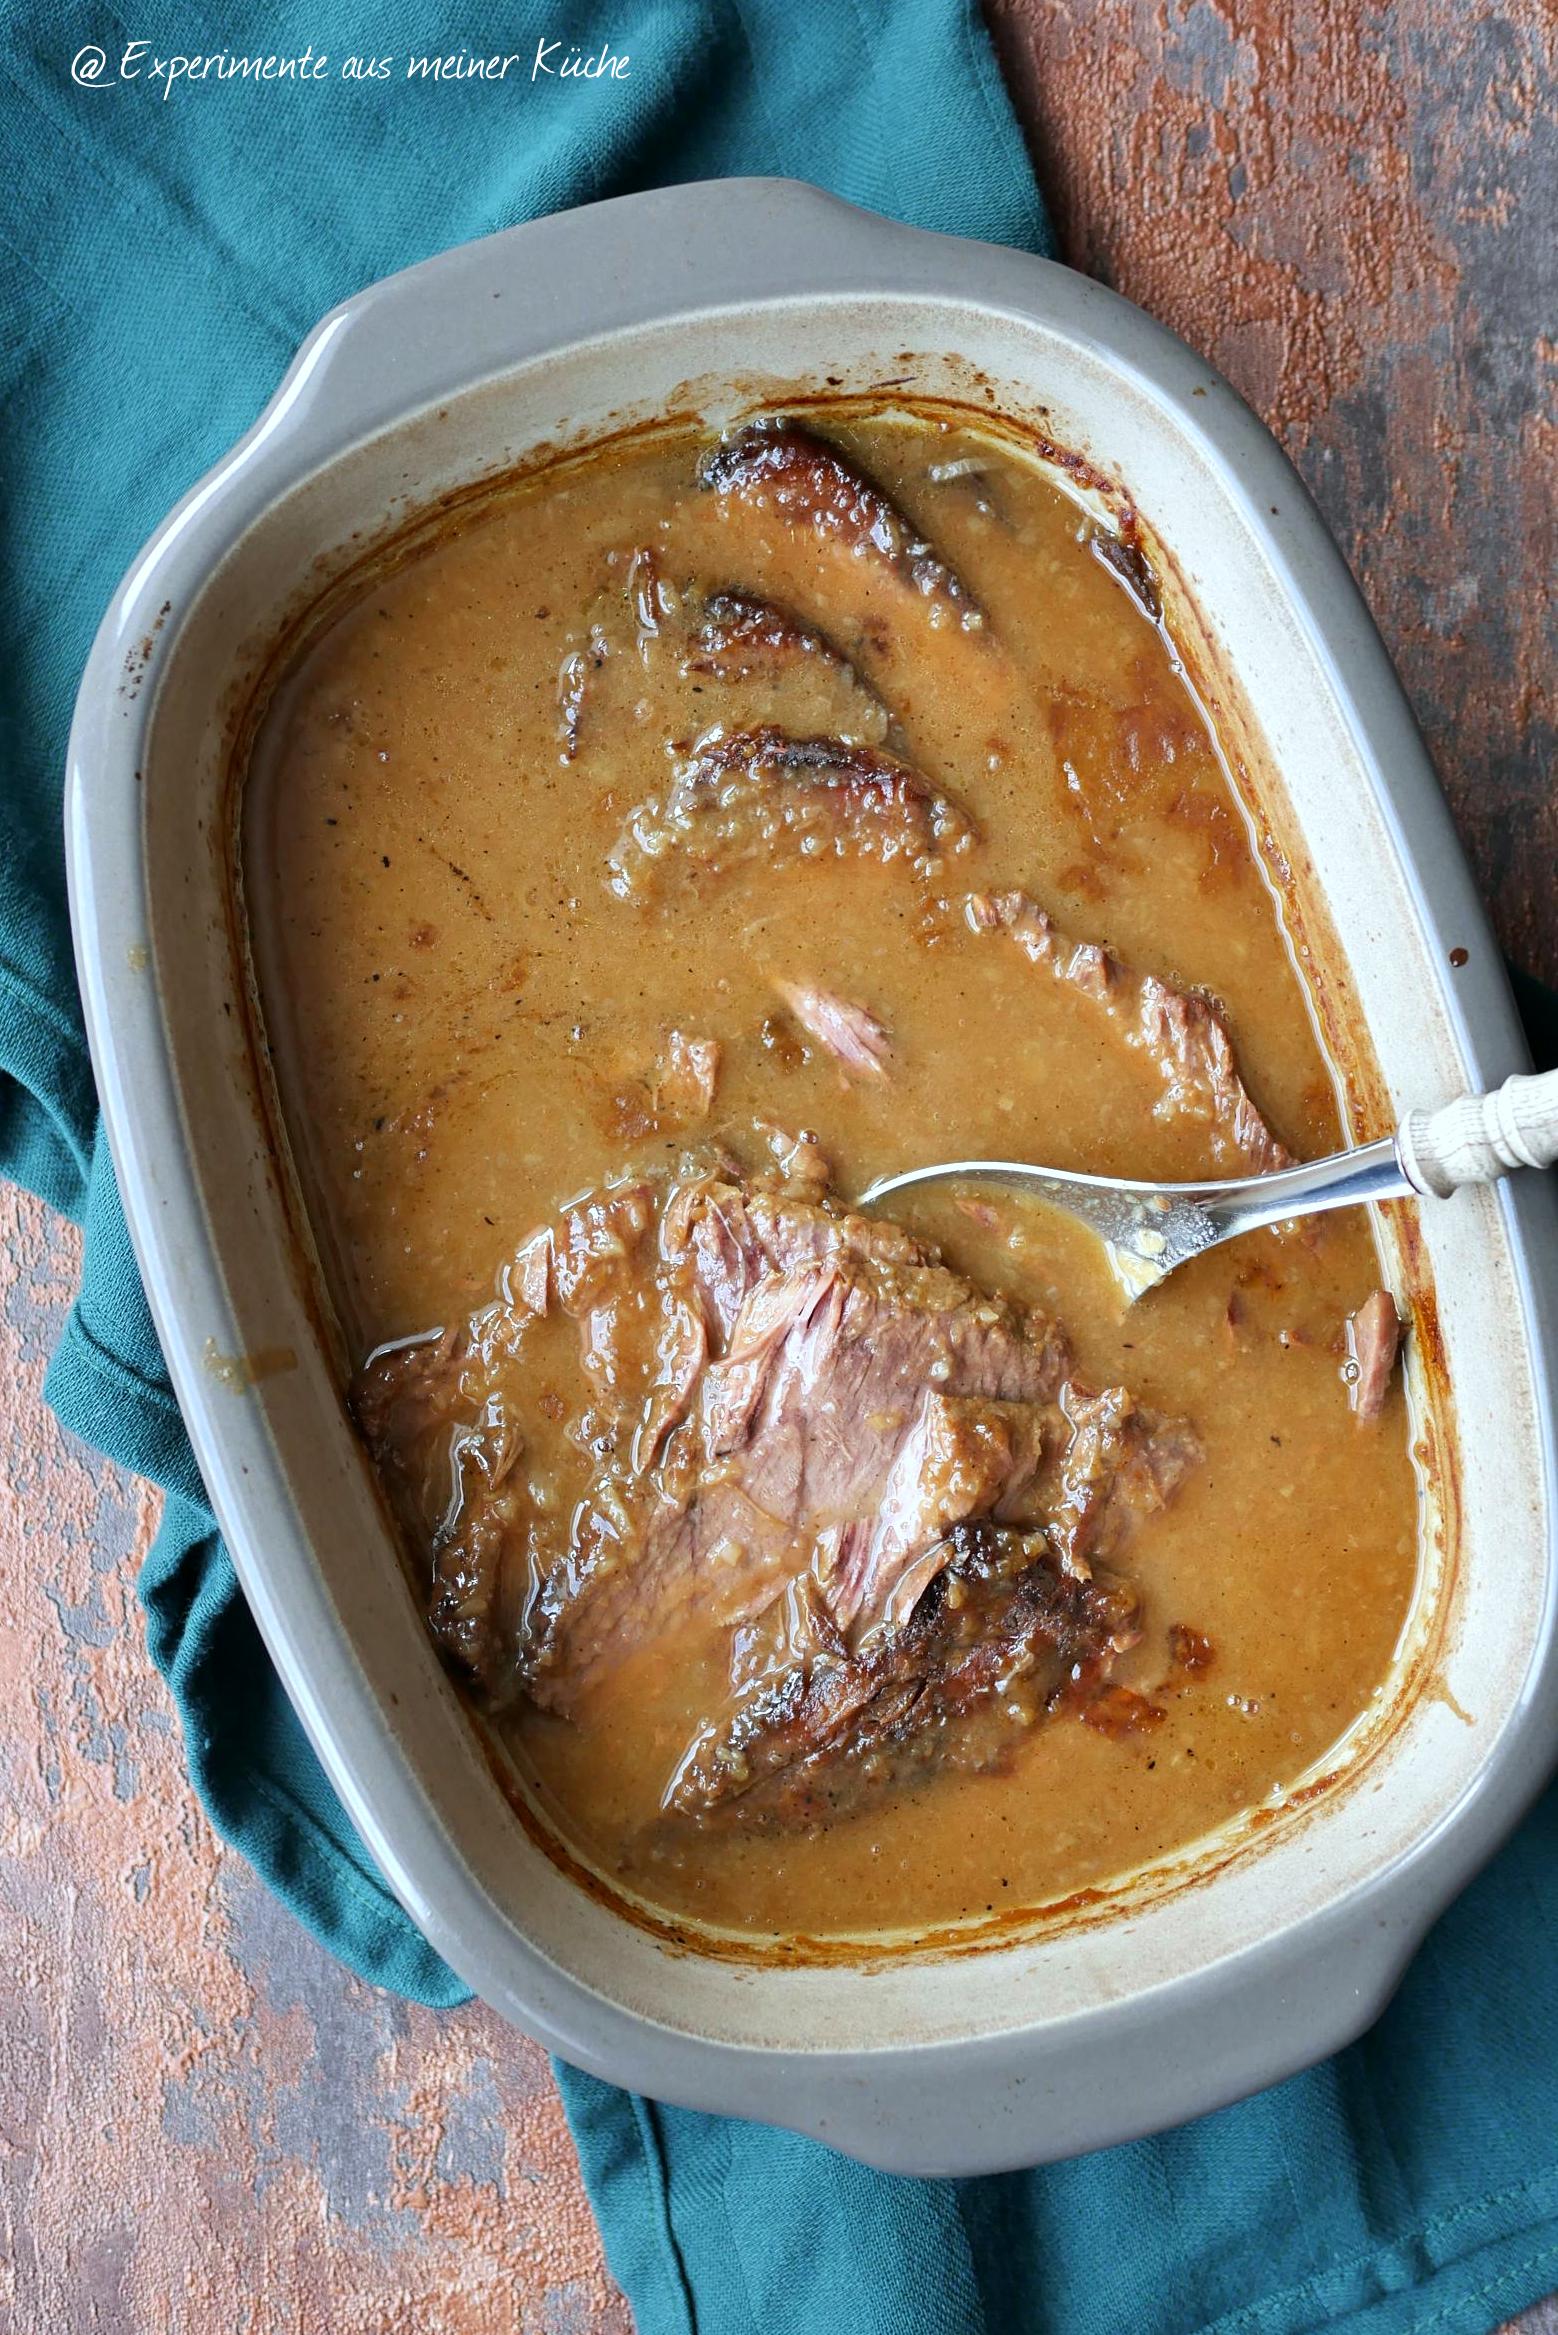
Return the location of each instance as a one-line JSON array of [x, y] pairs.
[[162, 251]]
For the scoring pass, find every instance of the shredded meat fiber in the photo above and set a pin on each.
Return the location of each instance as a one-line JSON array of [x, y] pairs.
[[796, 1410]]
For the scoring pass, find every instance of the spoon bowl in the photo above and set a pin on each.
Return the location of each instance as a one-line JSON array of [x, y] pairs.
[[1150, 1230]]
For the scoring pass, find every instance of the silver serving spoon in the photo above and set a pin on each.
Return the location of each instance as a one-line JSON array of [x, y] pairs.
[[1149, 1229]]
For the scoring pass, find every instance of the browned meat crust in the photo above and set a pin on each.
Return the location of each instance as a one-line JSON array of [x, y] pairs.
[[739, 635], [1117, 1711], [1003, 1618], [1373, 1341], [1182, 1033], [781, 467], [1190, 1649], [783, 1402], [725, 637], [739, 796]]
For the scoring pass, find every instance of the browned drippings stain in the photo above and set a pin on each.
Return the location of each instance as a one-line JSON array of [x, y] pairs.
[[1437, 1690], [239, 1372], [1344, 206]]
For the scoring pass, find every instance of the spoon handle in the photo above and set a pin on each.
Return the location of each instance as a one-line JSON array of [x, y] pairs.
[[1481, 1136]]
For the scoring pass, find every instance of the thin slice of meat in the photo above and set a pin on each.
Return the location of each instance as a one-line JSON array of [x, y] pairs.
[[1373, 1342], [1118, 1462], [802, 526], [1181, 1033], [420, 1395], [651, 599], [686, 1079], [821, 1724], [754, 660], [740, 796], [739, 637], [590, 1241], [735, 1236], [778, 669], [801, 1417], [739, 653], [965, 1456], [444, 1417], [850, 1033], [782, 468]]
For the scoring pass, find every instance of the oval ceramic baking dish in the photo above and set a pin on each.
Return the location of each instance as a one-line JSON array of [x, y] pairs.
[[1274, 1944]]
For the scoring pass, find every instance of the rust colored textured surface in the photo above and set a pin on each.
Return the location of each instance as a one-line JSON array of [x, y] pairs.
[[1347, 205], [203, 2122]]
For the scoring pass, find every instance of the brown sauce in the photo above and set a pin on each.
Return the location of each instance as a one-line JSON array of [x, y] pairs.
[[498, 904]]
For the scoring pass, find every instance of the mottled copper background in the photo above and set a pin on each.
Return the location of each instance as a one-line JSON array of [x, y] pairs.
[[204, 2124], [1353, 211]]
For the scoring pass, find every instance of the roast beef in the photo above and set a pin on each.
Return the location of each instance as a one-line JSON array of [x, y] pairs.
[[801, 525], [742, 796], [850, 1033], [1373, 1340], [780, 468], [1181, 1033], [735, 636], [738, 656], [780, 1400], [819, 1721]]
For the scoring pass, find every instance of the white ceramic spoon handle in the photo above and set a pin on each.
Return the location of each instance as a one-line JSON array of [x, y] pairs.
[[1482, 1136]]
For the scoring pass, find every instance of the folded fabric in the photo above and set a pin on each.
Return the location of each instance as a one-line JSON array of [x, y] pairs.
[[166, 244]]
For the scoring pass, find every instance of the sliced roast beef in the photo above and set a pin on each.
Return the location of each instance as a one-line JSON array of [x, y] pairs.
[[742, 796], [685, 1079], [1373, 1341], [737, 636], [850, 1033], [1182, 1034], [782, 469], [800, 525], [740, 658], [819, 1722], [823, 1359], [444, 1416], [779, 1400]]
